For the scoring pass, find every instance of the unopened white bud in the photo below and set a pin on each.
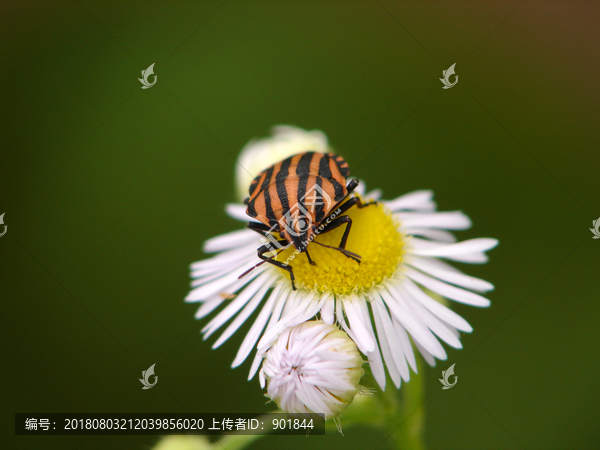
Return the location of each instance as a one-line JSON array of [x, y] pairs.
[[312, 368]]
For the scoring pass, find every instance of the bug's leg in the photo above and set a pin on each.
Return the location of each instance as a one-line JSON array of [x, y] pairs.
[[264, 249], [361, 205], [311, 262], [265, 259], [339, 221], [345, 207], [267, 232], [352, 185], [353, 200], [344, 252], [259, 227], [350, 188]]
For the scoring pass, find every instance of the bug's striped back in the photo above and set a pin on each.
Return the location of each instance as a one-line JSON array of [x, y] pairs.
[[307, 194], [326, 165], [329, 166], [305, 185]]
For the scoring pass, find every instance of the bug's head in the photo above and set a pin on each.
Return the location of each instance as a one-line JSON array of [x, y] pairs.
[[298, 230]]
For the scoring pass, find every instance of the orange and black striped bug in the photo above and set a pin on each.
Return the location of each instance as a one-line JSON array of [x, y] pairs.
[[298, 198]]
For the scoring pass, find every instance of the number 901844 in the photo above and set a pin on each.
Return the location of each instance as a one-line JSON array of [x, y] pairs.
[[293, 424]]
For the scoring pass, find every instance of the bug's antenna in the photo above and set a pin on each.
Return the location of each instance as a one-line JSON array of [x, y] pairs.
[[262, 262], [251, 269]]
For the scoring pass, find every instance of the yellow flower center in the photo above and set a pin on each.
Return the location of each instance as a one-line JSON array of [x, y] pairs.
[[374, 236]]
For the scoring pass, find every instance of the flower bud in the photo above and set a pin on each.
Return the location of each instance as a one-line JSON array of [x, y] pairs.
[[312, 368]]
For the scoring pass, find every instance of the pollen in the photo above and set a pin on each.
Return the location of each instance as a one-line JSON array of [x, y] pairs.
[[374, 236]]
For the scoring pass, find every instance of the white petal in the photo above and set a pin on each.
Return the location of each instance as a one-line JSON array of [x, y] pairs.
[[434, 324], [244, 314], [209, 306], [373, 195], [412, 324], [307, 312], [465, 247], [307, 306], [377, 367], [240, 300], [228, 283], [257, 327], [430, 359], [454, 331], [293, 302], [360, 189], [312, 402], [255, 366], [222, 260], [229, 240], [418, 246], [445, 290], [357, 323], [393, 339], [418, 200], [454, 220], [339, 315], [444, 313], [415, 311], [436, 262], [261, 375], [470, 258], [364, 308], [385, 347], [237, 211], [327, 311], [406, 345], [285, 294], [239, 266], [431, 233], [429, 266]]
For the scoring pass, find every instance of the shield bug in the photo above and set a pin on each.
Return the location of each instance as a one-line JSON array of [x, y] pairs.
[[298, 198]]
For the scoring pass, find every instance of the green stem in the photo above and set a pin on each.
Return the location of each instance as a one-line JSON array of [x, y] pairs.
[[399, 413], [407, 424]]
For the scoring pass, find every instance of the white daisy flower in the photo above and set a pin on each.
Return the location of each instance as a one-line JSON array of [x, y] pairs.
[[312, 368], [402, 244]]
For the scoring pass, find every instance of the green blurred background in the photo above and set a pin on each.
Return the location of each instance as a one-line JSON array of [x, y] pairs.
[[109, 192]]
